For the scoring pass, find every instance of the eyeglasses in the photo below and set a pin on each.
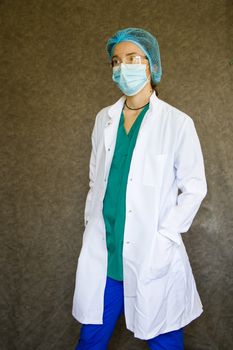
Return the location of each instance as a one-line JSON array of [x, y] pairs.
[[130, 59]]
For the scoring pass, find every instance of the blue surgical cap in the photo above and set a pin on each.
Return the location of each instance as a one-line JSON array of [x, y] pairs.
[[146, 42]]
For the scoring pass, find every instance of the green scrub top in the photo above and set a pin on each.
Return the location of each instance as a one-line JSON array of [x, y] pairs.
[[115, 195]]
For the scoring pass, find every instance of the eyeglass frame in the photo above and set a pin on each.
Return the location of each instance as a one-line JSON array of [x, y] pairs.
[[129, 54]]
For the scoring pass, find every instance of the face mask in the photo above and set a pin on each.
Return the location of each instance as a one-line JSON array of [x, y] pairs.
[[130, 78]]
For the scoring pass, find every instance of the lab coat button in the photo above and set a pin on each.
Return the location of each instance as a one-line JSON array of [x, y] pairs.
[[130, 211], [128, 242], [108, 149]]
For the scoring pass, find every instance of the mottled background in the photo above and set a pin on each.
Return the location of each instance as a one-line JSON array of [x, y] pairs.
[[54, 79]]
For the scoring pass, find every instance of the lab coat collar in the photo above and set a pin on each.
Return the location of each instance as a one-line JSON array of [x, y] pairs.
[[114, 109]]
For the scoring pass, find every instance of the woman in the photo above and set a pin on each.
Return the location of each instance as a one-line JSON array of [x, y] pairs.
[[133, 260]]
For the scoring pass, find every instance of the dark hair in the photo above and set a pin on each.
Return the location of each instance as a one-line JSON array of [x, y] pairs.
[[154, 87]]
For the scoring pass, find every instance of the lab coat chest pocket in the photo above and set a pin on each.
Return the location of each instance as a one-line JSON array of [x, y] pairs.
[[153, 170]]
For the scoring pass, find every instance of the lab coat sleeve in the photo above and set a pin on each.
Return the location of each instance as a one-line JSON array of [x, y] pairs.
[[92, 170], [191, 180]]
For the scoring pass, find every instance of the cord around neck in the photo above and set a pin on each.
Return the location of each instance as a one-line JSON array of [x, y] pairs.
[[134, 109]]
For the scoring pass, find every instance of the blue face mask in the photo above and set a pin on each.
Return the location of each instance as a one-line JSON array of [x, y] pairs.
[[130, 78]]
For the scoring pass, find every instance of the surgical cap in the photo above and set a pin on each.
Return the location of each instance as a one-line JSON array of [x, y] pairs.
[[146, 42]]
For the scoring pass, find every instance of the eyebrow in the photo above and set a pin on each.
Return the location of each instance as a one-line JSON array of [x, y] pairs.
[[130, 53]]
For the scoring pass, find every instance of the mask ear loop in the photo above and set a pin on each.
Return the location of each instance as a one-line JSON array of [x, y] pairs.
[[149, 78], [153, 73]]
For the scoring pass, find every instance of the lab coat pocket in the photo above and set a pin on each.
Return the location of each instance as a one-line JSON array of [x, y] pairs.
[[153, 170], [161, 257]]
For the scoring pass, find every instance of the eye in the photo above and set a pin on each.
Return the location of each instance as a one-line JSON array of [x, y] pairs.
[[115, 62], [132, 59]]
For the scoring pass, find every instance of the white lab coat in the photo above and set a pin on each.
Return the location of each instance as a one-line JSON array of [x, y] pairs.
[[160, 292]]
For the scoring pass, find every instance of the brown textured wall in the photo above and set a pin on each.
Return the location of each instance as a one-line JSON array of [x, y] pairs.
[[54, 79]]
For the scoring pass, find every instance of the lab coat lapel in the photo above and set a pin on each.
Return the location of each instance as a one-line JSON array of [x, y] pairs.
[[111, 126], [110, 132], [112, 122]]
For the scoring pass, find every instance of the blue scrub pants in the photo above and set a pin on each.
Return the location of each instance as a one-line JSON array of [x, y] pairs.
[[97, 336]]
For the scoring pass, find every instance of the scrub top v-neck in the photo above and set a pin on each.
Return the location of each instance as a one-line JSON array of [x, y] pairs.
[[115, 195]]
